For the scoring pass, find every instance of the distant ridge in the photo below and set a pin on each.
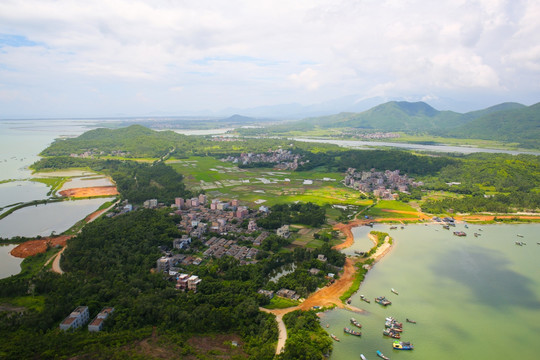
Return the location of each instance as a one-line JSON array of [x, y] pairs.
[[508, 122]]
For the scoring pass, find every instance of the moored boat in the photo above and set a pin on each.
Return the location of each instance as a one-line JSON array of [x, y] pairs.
[[383, 301], [391, 333], [363, 298], [334, 337], [356, 323], [381, 355], [460, 233], [402, 345], [352, 332]]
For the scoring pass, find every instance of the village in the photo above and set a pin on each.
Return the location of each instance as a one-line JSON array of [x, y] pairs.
[[380, 184], [283, 159]]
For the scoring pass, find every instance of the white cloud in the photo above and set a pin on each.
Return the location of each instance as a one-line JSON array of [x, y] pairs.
[[243, 53]]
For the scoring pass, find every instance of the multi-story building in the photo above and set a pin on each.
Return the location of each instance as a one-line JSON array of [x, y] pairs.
[[76, 319], [97, 323]]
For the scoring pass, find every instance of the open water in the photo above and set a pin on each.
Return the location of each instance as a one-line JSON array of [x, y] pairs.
[[472, 297]]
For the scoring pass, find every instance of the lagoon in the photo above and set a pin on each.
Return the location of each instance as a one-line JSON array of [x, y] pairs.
[[473, 297], [47, 218], [358, 144]]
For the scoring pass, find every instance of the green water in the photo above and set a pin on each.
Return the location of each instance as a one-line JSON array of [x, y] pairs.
[[472, 297]]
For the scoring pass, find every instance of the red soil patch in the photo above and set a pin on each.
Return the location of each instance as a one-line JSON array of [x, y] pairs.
[[90, 191], [33, 247]]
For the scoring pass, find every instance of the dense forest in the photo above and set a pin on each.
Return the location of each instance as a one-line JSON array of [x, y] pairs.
[[109, 264]]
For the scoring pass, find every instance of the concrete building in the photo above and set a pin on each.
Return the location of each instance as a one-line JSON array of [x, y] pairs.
[[179, 202], [202, 199], [97, 323], [76, 319], [150, 204], [283, 231], [163, 264], [192, 282]]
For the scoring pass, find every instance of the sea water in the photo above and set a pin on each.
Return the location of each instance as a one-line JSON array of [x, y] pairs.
[[472, 297]]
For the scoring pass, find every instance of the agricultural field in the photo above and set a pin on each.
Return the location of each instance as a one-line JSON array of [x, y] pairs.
[[263, 185], [392, 209]]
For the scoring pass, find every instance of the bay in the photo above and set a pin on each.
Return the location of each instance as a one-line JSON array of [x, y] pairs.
[[472, 297], [9, 265]]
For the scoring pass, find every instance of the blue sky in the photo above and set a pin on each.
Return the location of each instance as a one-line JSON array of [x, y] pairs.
[[136, 57]]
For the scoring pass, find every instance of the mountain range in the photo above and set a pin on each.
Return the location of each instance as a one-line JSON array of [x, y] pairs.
[[508, 122]]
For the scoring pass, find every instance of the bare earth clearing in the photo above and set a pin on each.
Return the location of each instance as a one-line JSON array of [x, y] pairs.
[[39, 246], [90, 191]]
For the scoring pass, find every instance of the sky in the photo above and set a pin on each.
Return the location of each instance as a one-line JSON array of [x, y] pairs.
[[64, 58]]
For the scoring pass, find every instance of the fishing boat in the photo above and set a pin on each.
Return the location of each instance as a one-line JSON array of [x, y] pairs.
[[447, 227], [393, 320], [363, 357], [393, 227], [334, 337], [383, 301], [352, 332], [460, 233], [402, 345], [393, 327], [356, 323], [392, 334], [363, 298], [381, 355], [477, 234], [519, 235], [394, 291], [411, 321]]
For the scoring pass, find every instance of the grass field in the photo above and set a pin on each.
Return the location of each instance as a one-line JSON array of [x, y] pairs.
[[30, 302], [397, 209], [278, 302]]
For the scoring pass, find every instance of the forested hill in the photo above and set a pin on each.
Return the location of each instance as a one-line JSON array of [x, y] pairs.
[[520, 125], [508, 122], [137, 141]]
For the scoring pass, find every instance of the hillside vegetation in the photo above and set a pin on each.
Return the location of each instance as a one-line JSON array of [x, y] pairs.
[[507, 122]]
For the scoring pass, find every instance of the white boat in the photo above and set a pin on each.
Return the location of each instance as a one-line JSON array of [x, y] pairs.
[[363, 357], [394, 291]]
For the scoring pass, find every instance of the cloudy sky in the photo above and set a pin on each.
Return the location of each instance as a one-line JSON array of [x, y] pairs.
[[129, 57]]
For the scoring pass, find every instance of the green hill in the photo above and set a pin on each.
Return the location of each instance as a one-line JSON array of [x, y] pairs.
[[516, 125]]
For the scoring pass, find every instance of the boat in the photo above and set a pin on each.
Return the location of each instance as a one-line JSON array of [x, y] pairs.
[[393, 321], [394, 291], [447, 227], [477, 234], [519, 235], [393, 227], [521, 243], [363, 298], [352, 332], [381, 355], [393, 327], [460, 233], [349, 301], [363, 357], [327, 326], [383, 301], [334, 337], [466, 226], [356, 323], [411, 321], [392, 334], [402, 345], [538, 243]]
